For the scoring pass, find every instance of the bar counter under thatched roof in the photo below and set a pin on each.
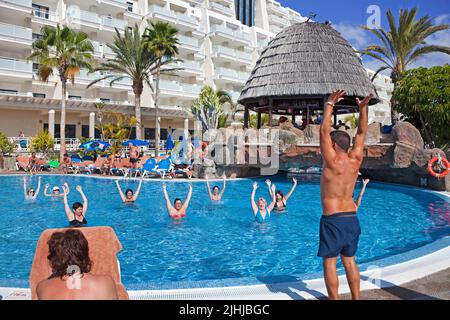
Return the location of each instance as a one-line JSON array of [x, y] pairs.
[[301, 67]]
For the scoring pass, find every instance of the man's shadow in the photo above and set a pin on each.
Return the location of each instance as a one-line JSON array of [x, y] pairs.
[[285, 284]]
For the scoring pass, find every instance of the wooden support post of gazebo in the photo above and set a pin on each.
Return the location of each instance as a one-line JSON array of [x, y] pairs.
[[246, 117], [259, 120], [293, 115]]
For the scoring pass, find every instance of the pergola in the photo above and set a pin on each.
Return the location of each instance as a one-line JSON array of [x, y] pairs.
[[299, 69]]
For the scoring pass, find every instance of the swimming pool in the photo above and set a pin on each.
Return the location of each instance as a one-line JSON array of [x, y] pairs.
[[215, 241]]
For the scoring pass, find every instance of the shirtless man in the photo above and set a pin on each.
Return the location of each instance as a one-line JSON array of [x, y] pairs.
[[178, 210], [339, 225], [134, 155]]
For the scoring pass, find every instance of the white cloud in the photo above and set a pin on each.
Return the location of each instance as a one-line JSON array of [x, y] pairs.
[[357, 36]]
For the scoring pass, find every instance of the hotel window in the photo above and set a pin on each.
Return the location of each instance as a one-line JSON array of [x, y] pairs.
[[9, 91], [70, 130], [245, 11], [85, 132], [40, 11], [36, 36], [38, 95], [105, 100], [71, 97], [130, 6], [35, 68]]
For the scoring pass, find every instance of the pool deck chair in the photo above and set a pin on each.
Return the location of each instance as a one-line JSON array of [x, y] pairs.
[[103, 249], [148, 168], [164, 166]]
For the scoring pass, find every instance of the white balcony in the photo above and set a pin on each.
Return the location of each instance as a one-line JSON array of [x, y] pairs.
[[283, 22], [16, 34], [122, 4], [97, 48], [113, 23], [15, 93], [181, 90], [277, 9], [227, 10], [230, 75], [19, 6], [232, 55], [188, 67], [16, 68], [181, 20], [188, 43], [44, 17], [162, 13], [223, 33]]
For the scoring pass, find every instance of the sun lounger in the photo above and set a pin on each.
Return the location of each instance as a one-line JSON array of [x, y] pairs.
[[164, 166], [22, 163], [121, 167], [103, 249], [149, 168]]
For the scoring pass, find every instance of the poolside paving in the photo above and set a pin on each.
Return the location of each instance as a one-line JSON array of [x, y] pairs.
[[433, 287]]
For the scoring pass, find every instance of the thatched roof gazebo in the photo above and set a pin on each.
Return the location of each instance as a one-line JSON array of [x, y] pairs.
[[298, 70]]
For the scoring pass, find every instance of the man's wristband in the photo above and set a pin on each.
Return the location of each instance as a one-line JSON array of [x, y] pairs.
[[330, 103]]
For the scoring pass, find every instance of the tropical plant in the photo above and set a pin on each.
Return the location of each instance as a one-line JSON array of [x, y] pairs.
[[351, 120], [100, 110], [68, 52], [223, 121], [133, 60], [209, 107], [161, 39], [404, 43], [117, 127], [423, 96], [42, 142], [253, 120], [6, 146]]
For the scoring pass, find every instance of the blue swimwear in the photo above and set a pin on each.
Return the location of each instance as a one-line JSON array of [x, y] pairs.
[[260, 218], [339, 235]]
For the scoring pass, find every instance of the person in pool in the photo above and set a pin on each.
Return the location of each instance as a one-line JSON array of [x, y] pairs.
[[339, 224], [215, 195], [31, 194], [129, 197], [67, 249], [178, 210], [281, 200], [56, 192], [361, 193], [76, 215], [260, 209]]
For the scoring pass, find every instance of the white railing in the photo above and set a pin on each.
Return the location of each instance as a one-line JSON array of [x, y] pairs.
[[16, 93], [16, 31], [184, 40], [15, 65], [230, 32], [113, 22], [276, 19], [185, 18], [87, 16], [221, 8], [162, 11], [24, 3]]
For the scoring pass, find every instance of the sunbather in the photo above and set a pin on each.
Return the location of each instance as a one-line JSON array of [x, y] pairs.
[[33, 163], [178, 210], [31, 194], [66, 164], [76, 215], [129, 197], [70, 280], [56, 192], [215, 195]]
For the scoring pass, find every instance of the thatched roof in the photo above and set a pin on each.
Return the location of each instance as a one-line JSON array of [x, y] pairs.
[[302, 66]]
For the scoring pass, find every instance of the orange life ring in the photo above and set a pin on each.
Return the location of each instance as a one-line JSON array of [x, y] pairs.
[[435, 174], [202, 149]]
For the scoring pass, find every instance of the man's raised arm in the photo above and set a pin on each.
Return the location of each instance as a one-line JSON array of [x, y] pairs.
[[326, 146], [358, 147]]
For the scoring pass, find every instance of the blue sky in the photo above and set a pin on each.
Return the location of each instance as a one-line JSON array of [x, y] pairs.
[[348, 15]]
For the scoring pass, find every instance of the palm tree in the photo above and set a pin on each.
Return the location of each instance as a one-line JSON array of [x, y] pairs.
[[161, 39], [67, 51], [403, 44], [133, 60], [208, 108]]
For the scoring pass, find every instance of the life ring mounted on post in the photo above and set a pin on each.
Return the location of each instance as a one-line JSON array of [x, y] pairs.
[[202, 150], [441, 161]]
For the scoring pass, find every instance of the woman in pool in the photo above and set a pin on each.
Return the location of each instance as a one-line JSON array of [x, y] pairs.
[[361, 193], [260, 209], [129, 197], [31, 194], [67, 249], [55, 191], [215, 195], [76, 215], [281, 200], [178, 210]]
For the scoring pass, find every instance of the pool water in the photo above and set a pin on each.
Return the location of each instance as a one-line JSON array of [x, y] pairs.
[[215, 241]]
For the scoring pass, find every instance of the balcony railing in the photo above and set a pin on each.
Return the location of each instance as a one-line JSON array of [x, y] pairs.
[[16, 65], [235, 54], [87, 16], [278, 20], [221, 8], [188, 41], [230, 73], [113, 22], [24, 3], [162, 11], [16, 31], [187, 64], [169, 85], [230, 32], [191, 88], [185, 18]]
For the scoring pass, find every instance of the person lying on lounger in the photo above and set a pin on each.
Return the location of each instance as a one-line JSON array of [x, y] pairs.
[[31, 194], [76, 215], [68, 255], [178, 210], [129, 197], [215, 195], [56, 192]]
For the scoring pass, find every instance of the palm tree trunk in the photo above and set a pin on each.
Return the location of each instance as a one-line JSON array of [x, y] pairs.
[[137, 102], [62, 129], [157, 123]]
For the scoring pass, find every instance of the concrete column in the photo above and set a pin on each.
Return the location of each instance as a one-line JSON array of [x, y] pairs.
[[158, 131], [92, 125], [186, 128], [51, 123]]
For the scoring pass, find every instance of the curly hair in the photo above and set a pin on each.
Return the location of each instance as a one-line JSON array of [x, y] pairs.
[[67, 250]]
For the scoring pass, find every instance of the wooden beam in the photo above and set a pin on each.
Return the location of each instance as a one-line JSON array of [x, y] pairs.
[[259, 120], [246, 117]]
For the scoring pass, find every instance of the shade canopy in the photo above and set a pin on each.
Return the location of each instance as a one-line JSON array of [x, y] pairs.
[[299, 69]]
